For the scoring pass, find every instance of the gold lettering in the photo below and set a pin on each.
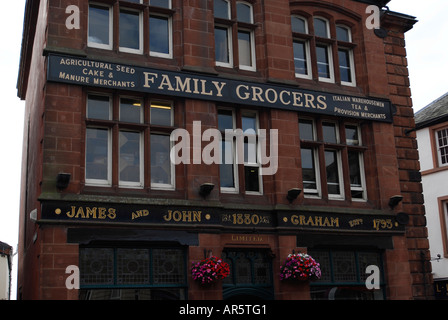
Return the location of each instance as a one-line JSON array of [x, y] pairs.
[[80, 213], [282, 98], [183, 87], [322, 101], [166, 82], [149, 77], [112, 213], [238, 93], [91, 212], [169, 216], [71, 214], [297, 97], [309, 99], [219, 86], [101, 213]]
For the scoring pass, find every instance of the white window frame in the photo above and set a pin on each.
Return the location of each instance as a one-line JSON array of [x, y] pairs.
[[327, 26], [169, 4], [161, 101], [229, 46], [314, 193], [330, 63], [166, 186], [439, 155], [235, 156], [363, 187], [140, 40], [129, 184], [141, 109], [341, 195], [253, 66], [363, 180], [309, 75], [256, 164], [108, 181], [168, 55], [351, 58], [111, 27]]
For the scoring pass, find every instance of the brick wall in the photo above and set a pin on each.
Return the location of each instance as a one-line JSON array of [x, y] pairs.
[[408, 163]]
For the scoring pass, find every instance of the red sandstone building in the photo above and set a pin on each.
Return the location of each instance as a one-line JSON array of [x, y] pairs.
[[107, 85]]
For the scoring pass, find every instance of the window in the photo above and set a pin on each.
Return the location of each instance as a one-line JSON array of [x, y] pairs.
[[239, 147], [132, 273], [301, 48], [324, 145], [344, 275], [345, 53], [442, 146], [100, 26], [127, 135], [243, 24], [315, 47], [129, 29], [131, 39]]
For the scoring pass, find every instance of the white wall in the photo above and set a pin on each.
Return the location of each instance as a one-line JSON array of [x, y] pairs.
[[4, 278], [435, 185]]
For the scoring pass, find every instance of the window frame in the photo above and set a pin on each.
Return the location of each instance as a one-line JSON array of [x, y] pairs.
[[341, 148], [438, 147], [158, 54], [115, 126], [347, 46], [235, 155], [140, 23], [100, 182], [111, 27], [234, 27], [302, 38]]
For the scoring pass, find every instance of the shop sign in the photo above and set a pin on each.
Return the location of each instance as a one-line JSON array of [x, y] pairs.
[[340, 221], [94, 73], [441, 289], [216, 217]]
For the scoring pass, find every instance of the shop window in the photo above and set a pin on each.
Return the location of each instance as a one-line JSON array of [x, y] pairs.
[[239, 149], [127, 134], [317, 50], [344, 275], [322, 146], [132, 273], [248, 267], [243, 25], [130, 34]]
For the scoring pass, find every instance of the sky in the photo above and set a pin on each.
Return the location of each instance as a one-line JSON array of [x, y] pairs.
[[427, 49]]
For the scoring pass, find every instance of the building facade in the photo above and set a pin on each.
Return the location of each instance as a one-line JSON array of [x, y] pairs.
[[159, 133], [432, 128]]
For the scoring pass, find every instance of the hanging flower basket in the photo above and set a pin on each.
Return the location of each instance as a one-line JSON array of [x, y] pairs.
[[209, 270], [301, 267]]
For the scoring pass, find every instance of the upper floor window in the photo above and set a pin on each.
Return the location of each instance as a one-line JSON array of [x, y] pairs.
[[128, 35], [230, 51], [326, 144], [320, 54], [442, 146], [117, 134], [240, 152]]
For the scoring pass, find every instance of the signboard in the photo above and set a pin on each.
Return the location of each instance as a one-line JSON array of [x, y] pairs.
[[216, 217], [93, 73]]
